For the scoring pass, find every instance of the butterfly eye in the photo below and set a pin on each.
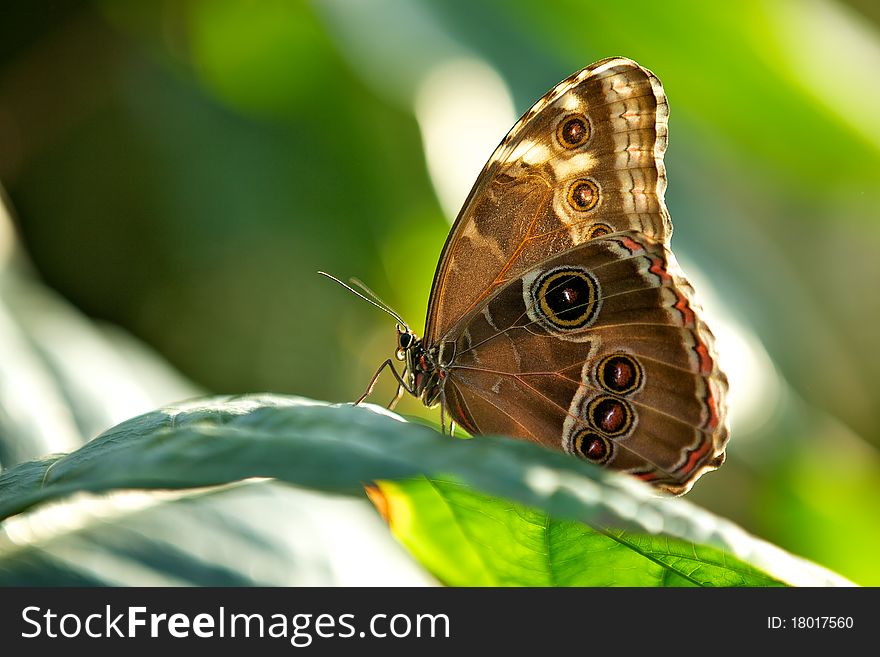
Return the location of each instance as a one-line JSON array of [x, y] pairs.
[[611, 416], [591, 446], [583, 195], [620, 374], [405, 340], [573, 130]]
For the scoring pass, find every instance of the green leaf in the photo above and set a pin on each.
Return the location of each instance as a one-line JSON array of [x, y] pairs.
[[467, 539], [338, 449]]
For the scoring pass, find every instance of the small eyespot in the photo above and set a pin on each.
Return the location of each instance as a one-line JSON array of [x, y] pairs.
[[583, 195], [610, 415], [598, 230], [573, 131], [567, 298], [619, 373], [591, 446]]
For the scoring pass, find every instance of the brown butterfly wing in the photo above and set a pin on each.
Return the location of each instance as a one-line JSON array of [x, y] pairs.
[[585, 160], [599, 351]]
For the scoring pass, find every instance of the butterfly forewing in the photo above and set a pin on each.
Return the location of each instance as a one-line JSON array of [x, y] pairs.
[[585, 160]]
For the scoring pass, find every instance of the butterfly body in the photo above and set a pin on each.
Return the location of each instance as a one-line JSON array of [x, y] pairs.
[[558, 314], [423, 376]]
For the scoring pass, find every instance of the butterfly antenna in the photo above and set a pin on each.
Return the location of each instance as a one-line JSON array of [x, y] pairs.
[[375, 297], [375, 300]]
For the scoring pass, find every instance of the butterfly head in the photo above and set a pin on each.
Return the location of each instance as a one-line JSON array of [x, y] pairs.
[[406, 340], [422, 377]]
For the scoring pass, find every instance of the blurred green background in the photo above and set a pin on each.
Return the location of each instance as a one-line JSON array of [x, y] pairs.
[[180, 170]]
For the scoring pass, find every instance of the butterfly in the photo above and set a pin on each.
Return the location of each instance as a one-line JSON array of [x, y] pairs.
[[558, 314]]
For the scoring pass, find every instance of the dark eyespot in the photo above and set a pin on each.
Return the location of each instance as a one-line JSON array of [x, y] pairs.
[[573, 130], [619, 373], [598, 230], [583, 195], [591, 446], [568, 298], [610, 415]]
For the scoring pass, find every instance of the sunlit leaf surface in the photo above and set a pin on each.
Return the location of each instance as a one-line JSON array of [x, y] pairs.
[[469, 539], [338, 449]]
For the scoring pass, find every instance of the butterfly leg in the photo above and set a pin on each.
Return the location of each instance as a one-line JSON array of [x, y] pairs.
[[396, 399], [443, 411], [402, 384]]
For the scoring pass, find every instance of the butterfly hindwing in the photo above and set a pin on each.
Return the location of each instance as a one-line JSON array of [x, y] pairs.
[[598, 351]]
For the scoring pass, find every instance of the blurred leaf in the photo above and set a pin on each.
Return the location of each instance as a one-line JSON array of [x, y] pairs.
[[64, 378], [469, 539], [254, 59], [251, 534], [826, 509], [337, 449]]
